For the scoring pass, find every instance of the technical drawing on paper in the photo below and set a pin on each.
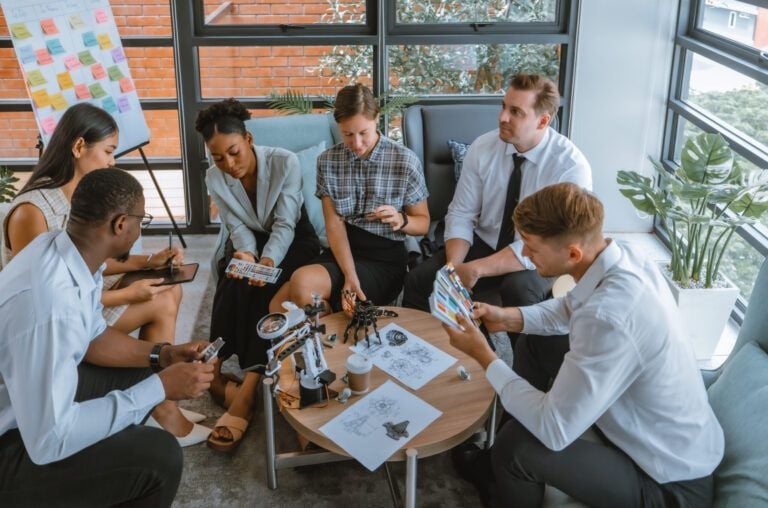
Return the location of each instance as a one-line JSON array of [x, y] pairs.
[[419, 353], [402, 368]]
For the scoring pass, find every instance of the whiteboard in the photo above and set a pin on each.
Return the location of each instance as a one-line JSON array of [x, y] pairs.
[[70, 52]]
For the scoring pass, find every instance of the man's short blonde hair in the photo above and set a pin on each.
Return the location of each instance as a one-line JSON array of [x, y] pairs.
[[562, 210], [547, 96]]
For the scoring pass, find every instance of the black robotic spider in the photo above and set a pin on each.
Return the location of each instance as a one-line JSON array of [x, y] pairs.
[[364, 316]]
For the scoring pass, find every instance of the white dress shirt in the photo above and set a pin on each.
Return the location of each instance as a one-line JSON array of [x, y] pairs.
[[629, 370], [50, 310], [481, 192], [278, 205]]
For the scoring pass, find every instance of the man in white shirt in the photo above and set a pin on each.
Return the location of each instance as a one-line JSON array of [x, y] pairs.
[[630, 373], [501, 168], [73, 389]]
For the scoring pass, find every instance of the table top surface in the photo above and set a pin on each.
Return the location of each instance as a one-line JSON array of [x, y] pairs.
[[465, 404]]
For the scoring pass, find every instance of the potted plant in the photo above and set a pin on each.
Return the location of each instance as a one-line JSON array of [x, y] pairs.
[[700, 206], [7, 190]]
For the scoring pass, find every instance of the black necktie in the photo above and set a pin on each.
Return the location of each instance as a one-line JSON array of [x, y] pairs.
[[507, 231]]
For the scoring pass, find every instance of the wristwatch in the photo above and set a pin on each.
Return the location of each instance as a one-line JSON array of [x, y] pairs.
[[405, 219], [154, 356]]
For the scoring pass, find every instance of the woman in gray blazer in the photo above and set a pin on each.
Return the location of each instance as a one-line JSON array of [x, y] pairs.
[[257, 190]]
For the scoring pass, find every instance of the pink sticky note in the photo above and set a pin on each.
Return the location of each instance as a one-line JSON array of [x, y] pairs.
[[48, 123], [43, 57], [71, 62], [49, 26], [100, 15], [126, 85], [98, 71], [82, 92]]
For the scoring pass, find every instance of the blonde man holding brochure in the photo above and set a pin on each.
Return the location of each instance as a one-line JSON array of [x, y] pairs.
[[629, 372]]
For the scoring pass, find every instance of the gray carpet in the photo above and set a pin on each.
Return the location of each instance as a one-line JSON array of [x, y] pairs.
[[215, 479]]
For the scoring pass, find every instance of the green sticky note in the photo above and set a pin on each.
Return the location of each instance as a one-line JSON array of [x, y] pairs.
[[36, 78], [86, 58], [115, 74], [20, 31], [76, 22], [97, 91]]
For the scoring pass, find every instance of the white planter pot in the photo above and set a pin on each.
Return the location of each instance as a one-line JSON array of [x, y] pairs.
[[704, 313]]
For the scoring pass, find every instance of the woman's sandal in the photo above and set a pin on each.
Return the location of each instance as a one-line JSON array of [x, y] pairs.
[[230, 391], [235, 425]]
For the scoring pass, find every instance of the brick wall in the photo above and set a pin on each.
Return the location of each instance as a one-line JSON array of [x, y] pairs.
[[275, 11]]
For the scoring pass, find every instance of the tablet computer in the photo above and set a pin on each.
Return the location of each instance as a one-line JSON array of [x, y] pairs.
[[183, 273]]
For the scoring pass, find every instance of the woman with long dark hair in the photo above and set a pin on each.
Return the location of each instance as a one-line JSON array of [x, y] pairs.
[[257, 190], [85, 140]]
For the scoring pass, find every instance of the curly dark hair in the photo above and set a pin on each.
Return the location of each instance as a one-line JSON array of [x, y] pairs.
[[103, 194], [226, 117]]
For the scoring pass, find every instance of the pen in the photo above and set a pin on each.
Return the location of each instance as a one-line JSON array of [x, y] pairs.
[[170, 250]]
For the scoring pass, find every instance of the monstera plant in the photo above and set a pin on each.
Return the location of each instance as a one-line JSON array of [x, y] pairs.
[[700, 205]]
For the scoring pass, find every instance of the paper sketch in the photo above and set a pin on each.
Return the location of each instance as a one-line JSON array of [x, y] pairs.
[[380, 423], [407, 357]]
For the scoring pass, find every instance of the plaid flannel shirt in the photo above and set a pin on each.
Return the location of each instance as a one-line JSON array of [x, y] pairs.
[[390, 175]]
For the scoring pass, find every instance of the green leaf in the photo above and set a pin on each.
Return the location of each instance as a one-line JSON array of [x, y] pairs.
[[706, 158], [7, 189], [291, 102]]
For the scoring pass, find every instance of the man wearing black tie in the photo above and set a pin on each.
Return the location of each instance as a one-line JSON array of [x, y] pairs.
[[501, 168]]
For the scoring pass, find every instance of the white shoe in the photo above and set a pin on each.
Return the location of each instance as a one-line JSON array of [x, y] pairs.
[[192, 416], [197, 435]]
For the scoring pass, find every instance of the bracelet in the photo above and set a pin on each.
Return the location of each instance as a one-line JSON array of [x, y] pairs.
[[154, 356], [405, 219], [149, 258]]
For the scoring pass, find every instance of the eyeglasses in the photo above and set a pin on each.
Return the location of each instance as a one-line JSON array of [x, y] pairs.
[[145, 220]]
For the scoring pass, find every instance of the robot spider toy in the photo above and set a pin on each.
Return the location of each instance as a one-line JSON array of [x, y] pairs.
[[364, 316]]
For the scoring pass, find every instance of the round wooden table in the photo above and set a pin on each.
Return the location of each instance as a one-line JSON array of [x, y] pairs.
[[465, 404]]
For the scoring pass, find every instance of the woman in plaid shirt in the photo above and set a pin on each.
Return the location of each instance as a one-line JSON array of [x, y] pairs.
[[373, 195]]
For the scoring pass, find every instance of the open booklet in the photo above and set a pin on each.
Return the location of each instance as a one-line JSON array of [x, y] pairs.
[[449, 297]]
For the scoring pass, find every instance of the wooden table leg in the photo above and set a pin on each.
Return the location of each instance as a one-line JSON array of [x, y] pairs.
[[410, 478]]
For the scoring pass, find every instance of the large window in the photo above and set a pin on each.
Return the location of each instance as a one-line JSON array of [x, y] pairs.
[[185, 55], [720, 84]]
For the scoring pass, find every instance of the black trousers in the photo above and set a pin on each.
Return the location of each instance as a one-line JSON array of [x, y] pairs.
[[137, 467], [597, 474], [514, 289]]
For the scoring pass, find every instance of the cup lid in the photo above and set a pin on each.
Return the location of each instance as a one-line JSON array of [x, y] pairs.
[[358, 364]]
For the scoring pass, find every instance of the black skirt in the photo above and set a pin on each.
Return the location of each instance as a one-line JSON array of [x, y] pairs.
[[238, 306], [380, 263]]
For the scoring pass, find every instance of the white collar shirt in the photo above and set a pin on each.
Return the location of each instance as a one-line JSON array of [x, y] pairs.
[[630, 371], [50, 311], [481, 192]]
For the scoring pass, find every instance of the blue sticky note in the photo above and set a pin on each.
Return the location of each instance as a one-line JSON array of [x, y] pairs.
[[54, 47], [109, 105], [27, 54], [89, 39]]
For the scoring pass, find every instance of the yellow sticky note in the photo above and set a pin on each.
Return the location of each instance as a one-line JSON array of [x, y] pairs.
[[20, 31], [41, 98], [65, 80], [58, 101], [104, 41], [36, 78]]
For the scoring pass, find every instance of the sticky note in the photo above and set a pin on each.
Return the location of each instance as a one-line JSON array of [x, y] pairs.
[[71, 62], [86, 58], [58, 101], [98, 71], [100, 15], [41, 98], [48, 123], [109, 105], [126, 85], [65, 80], [54, 47], [115, 74], [82, 92], [89, 40], [43, 57], [97, 91], [123, 104], [118, 55], [76, 22], [26, 54], [49, 26], [36, 78], [20, 31], [104, 41]]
